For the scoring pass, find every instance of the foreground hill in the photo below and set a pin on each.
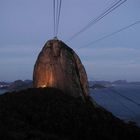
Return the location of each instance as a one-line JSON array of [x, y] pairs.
[[50, 114]]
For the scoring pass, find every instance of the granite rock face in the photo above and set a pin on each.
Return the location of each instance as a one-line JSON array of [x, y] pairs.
[[59, 66]]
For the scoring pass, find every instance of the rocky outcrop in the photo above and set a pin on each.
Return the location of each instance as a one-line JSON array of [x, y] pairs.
[[59, 66]]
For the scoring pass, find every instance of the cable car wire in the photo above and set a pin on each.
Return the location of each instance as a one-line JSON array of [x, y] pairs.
[[56, 11], [111, 34], [95, 20]]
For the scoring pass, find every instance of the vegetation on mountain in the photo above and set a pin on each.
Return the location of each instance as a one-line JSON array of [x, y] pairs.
[[48, 113]]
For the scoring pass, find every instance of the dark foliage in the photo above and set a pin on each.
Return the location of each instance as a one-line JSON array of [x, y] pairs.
[[49, 114]]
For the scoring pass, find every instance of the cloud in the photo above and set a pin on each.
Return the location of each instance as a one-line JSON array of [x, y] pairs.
[[114, 50], [18, 57], [111, 63]]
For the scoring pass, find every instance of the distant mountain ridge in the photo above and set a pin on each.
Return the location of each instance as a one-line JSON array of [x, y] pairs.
[[24, 84], [99, 84], [114, 82], [16, 85]]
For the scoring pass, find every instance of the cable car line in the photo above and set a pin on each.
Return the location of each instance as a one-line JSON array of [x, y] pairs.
[[95, 20], [111, 34], [56, 14]]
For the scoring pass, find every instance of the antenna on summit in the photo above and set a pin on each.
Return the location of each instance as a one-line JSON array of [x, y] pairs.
[[55, 38]]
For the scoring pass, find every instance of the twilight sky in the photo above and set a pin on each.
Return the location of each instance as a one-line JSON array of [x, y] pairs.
[[25, 26]]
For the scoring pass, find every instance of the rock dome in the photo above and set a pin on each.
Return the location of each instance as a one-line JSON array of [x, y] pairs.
[[59, 66]]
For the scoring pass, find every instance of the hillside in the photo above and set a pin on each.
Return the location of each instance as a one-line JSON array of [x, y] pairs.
[[50, 114]]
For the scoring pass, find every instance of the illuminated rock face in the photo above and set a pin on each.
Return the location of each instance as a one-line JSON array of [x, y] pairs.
[[58, 66]]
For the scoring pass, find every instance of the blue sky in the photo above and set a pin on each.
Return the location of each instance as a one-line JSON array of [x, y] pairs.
[[25, 26]]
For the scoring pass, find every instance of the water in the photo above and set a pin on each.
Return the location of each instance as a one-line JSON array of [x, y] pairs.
[[122, 100], [2, 91]]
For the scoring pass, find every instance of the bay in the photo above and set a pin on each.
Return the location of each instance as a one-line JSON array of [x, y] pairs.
[[122, 100], [2, 91]]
